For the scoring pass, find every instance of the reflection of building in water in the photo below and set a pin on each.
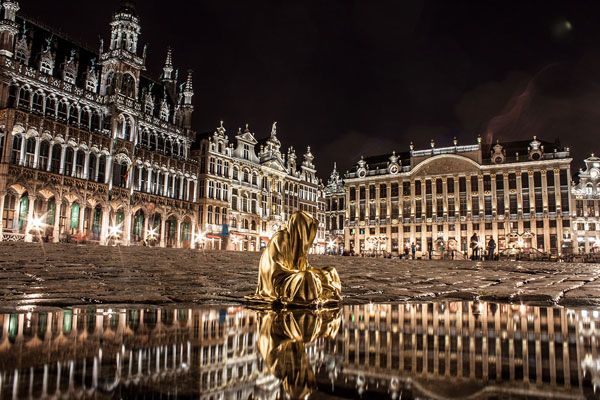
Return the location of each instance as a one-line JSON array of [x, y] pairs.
[[431, 350], [227, 353], [84, 352], [470, 348]]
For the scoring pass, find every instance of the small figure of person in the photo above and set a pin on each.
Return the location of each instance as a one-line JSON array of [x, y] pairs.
[[413, 250], [491, 249], [475, 246]]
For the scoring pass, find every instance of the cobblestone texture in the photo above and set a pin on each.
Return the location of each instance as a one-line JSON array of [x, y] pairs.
[[64, 275]]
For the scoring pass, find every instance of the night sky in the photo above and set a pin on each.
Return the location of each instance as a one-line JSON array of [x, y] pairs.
[[365, 77]]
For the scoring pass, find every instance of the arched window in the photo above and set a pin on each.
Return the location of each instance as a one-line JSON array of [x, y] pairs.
[[12, 95], [254, 178], [101, 168], [246, 177], [61, 113], [69, 158], [51, 107], [9, 211], [128, 85], [30, 152], [235, 173], [217, 216], [79, 163], [95, 124], [91, 172], [253, 226], [43, 155], [15, 156], [55, 158], [109, 87], [224, 215], [120, 174], [86, 118], [138, 226], [211, 190], [38, 102], [23, 211], [74, 115], [96, 223], [25, 98]]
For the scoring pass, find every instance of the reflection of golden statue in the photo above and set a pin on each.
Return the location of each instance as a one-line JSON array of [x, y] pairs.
[[284, 275], [282, 342]]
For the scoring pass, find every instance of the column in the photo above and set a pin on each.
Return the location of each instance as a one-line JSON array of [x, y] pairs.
[[97, 166], [181, 183], [108, 169], [195, 190], [74, 169], [165, 191], [155, 188], [37, 152], [139, 183], [163, 234], [2, 196], [105, 224], [149, 183], [178, 241], [62, 158], [56, 229], [28, 236], [127, 227], [86, 165], [22, 154], [82, 209], [50, 150]]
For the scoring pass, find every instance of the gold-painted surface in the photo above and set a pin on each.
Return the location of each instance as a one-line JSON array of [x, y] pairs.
[[282, 343], [284, 274]]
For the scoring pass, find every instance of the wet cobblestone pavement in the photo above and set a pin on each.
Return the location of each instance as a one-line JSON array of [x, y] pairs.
[[65, 274]]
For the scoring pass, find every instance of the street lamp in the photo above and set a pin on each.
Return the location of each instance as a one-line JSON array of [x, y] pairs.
[[114, 232]]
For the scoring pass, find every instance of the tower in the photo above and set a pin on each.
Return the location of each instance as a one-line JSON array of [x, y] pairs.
[[186, 108], [121, 64], [168, 77], [8, 27]]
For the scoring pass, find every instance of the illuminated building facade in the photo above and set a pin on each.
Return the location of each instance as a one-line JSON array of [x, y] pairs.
[[517, 193], [249, 188], [91, 147], [335, 196], [586, 213]]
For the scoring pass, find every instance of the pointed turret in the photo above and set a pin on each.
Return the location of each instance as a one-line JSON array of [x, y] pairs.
[[186, 107], [167, 77]]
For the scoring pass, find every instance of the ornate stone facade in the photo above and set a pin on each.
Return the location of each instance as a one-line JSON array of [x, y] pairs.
[[91, 147], [250, 188], [517, 193], [586, 212]]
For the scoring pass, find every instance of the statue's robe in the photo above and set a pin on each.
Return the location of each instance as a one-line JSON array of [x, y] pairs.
[[285, 275]]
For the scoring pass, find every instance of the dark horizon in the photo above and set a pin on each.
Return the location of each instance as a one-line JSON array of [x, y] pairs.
[[358, 78]]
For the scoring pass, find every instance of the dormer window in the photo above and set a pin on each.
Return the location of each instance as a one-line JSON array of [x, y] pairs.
[[164, 114], [69, 77], [149, 108], [246, 152], [20, 56], [46, 68], [91, 85]]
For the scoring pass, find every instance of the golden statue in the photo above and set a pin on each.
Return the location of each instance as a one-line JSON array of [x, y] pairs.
[[282, 341], [284, 275]]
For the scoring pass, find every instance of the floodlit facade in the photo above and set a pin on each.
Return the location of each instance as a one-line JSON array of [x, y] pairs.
[[249, 188], [586, 196], [517, 193], [335, 214], [91, 147]]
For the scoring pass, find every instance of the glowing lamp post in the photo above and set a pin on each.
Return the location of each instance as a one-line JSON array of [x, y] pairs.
[[152, 235], [200, 239], [114, 232]]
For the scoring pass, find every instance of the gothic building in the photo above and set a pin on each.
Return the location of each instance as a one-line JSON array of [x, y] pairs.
[[586, 218], [248, 188], [517, 193], [91, 146]]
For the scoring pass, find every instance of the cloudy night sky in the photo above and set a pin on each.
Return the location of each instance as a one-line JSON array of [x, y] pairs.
[[365, 77]]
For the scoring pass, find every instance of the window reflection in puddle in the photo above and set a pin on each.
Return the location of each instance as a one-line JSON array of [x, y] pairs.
[[424, 350]]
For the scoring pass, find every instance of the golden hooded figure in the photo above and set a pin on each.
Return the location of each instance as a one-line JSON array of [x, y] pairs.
[[284, 274]]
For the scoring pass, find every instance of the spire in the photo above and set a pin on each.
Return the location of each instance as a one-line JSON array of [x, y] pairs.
[[168, 68], [274, 129]]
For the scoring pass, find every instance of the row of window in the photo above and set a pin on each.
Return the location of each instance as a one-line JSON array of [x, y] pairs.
[[447, 185], [430, 207]]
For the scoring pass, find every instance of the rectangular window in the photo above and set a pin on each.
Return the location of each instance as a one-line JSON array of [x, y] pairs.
[[474, 184], [537, 179], [500, 205], [418, 209], [462, 184], [488, 205], [451, 209], [406, 188], [371, 192], [439, 186], [440, 207], [428, 208], [550, 178], [362, 193], [417, 188], [513, 203], [499, 182], [512, 181], [564, 177], [487, 183], [383, 191], [428, 186], [475, 205], [394, 189], [450, 185], [526, 204], [525, 180]]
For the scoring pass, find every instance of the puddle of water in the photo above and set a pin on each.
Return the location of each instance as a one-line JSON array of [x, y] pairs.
[[440, 350]]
